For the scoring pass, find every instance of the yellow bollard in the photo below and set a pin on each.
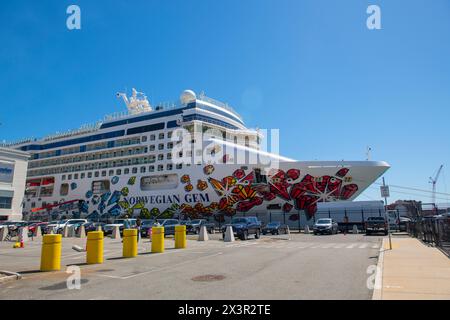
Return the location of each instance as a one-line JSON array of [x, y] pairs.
[[129, 243], [51, 252], [94, 247], [158, 239], [180, 237]]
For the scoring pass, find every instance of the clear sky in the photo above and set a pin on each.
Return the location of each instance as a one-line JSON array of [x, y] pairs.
[[310, 68]]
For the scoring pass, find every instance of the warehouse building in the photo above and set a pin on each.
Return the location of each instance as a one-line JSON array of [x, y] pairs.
[[13, 172]]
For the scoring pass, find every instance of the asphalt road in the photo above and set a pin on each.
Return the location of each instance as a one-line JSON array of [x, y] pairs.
[[305, 267]]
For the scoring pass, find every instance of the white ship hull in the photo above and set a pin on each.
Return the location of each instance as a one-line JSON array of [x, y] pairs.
[[211, 191]]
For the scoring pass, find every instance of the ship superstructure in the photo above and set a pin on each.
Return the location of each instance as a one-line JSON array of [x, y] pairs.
[[195, 158]]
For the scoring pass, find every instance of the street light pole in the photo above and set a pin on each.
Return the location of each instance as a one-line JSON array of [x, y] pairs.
[[387, 216]]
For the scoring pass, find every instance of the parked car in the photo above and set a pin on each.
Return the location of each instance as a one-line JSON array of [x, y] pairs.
[[50, 226], [243, 227], [274, 228], [169, 225], [403, 224], [92, 226], [146, 225], [32, 227], [193, 226], [325, 225], [58, 226], [76, 223], [108, 228], [376, 224]]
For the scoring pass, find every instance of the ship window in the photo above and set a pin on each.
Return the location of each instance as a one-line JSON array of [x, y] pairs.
[[119, 172], [111, 172], [259, 178], [63, 177], [170, 145], [151, 168], [152, 137], [83, 175], [75, 176], [169, 166], [69, 177], [169, 134], [104, 173], [160, 167], [46, 191], [152, 147], [142, 169], [126, 171], [179, 166], [161, 136], [159, 182], [161, 146], [101, 186], [64, 190], [89, 174], [5, 202], [134, 170], [147, 128], [96, 174], [160, 157], [169, 156], [144, 138]]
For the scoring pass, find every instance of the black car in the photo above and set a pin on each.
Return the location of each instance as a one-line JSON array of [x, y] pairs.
[[92, 226], [274, 228], [243, 227]]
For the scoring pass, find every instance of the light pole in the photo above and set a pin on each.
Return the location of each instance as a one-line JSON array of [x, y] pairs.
[[387, 216]]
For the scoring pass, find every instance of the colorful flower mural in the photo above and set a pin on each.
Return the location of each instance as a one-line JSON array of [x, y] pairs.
[[238, 192]]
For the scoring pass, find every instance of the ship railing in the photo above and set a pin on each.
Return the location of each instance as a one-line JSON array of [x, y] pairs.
[[83, 129], [6, 144], [226, 106], [170, 105]]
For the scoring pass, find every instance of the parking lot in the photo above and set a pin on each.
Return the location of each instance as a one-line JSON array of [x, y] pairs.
[[304, 267]]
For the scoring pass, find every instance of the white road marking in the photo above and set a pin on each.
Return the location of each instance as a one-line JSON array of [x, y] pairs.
[[158, 269]]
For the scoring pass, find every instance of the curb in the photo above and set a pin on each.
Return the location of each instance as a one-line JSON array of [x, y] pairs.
[[378, 288], [10, 276]]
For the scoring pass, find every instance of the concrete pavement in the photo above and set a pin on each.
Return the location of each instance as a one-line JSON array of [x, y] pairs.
[[412, 270], [305, 267]]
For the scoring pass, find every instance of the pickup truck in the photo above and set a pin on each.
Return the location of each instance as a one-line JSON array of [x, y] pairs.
[[243, 227], [376, 224], [194, 226]]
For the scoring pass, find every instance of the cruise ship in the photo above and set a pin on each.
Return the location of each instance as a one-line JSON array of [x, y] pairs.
[[190, 159]]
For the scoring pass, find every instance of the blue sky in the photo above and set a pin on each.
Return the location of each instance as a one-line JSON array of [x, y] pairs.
[[310, 68]]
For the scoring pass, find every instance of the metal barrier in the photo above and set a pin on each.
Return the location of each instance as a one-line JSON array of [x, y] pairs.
[[435, 231]]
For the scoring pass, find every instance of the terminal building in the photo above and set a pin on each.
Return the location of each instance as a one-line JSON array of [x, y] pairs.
[[13, 172]]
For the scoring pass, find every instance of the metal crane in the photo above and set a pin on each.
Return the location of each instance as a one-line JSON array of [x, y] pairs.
[[433, 181]]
